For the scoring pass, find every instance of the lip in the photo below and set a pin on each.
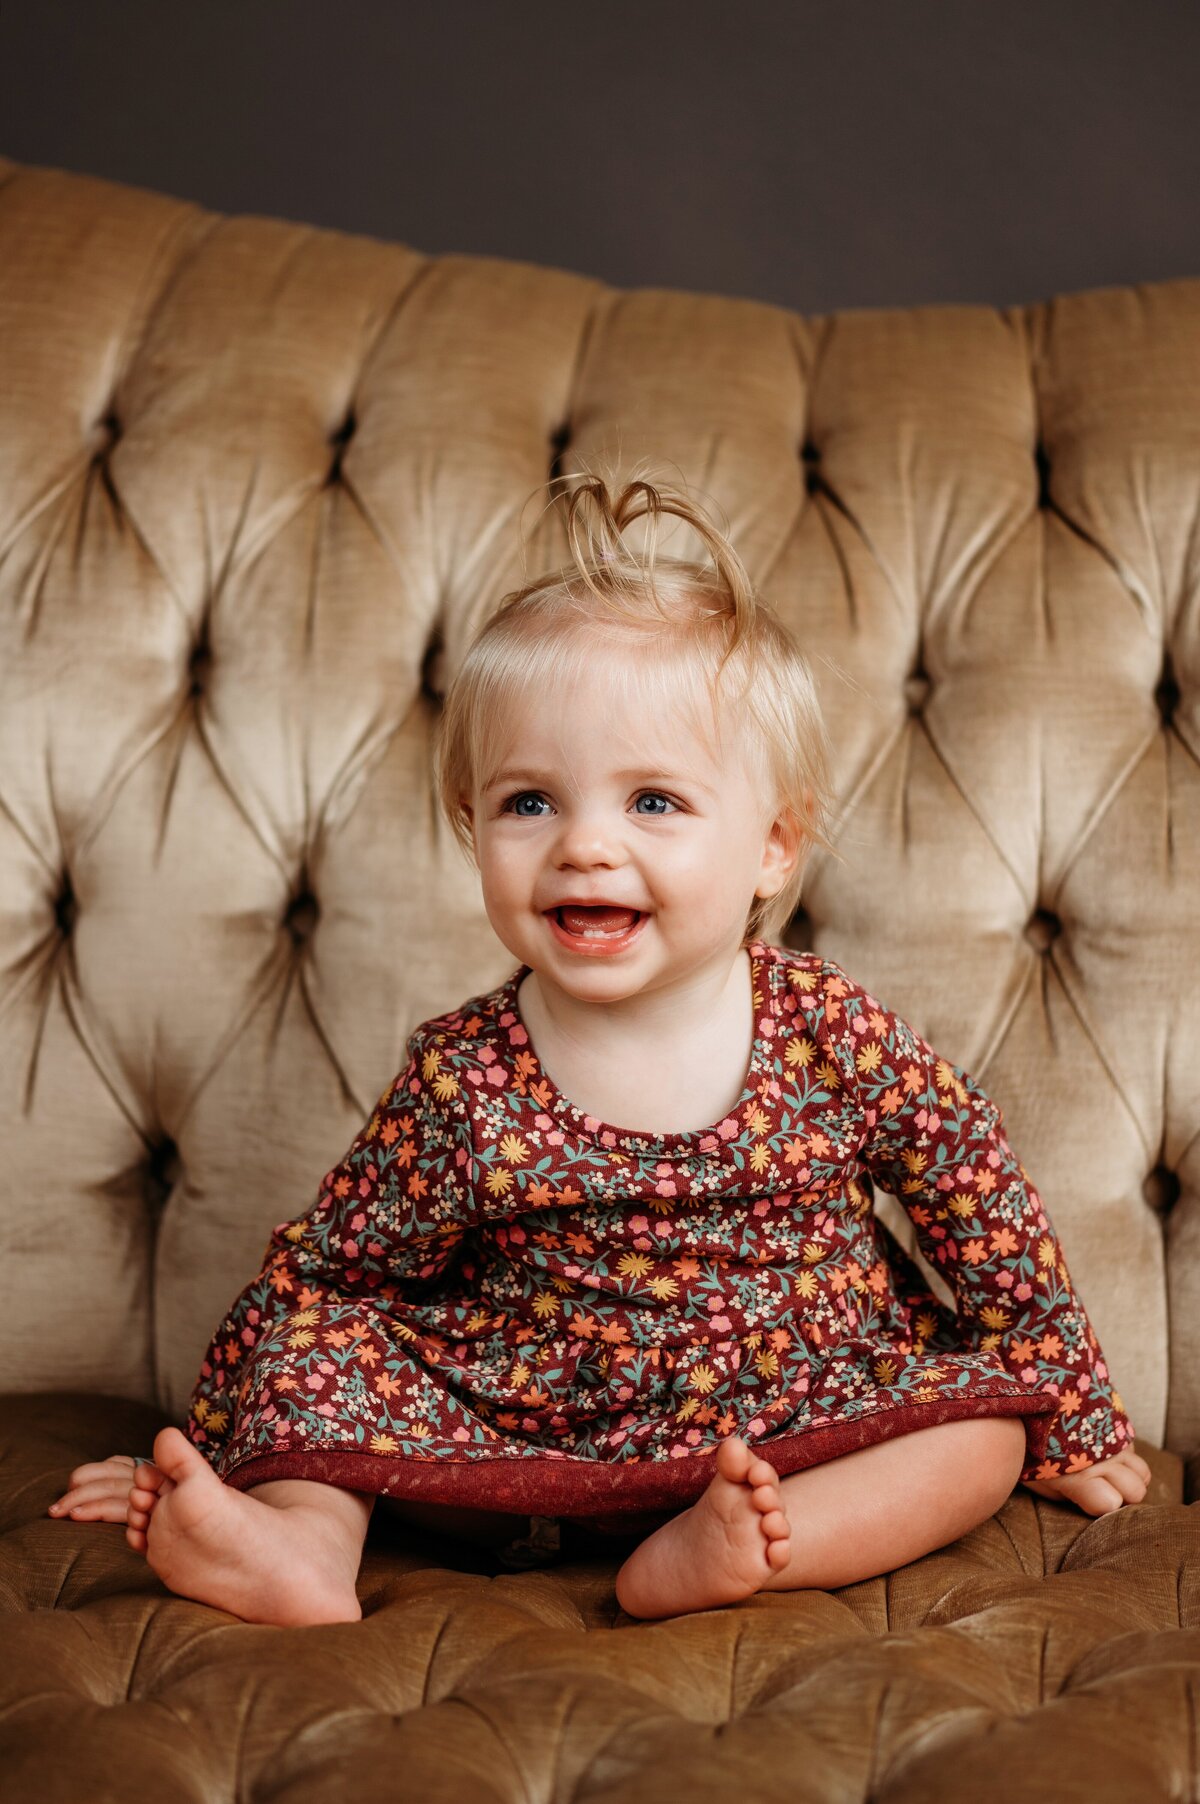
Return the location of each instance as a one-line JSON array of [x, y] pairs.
[[597, 948]]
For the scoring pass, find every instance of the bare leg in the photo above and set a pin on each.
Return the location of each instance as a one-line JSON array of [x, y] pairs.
[[286, 1552], [849, 1519]]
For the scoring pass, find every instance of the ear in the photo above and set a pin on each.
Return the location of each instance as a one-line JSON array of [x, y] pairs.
[[782, 850]]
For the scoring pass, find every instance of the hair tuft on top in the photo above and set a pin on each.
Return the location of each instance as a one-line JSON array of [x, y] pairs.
[[686, 633]]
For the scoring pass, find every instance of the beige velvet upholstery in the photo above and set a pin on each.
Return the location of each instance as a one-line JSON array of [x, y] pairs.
[[259, 484]]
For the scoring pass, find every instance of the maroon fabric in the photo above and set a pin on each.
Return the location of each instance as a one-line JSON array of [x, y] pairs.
[[500, 1298]]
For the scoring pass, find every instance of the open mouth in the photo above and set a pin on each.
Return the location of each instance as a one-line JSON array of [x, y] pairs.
[[596, 923]]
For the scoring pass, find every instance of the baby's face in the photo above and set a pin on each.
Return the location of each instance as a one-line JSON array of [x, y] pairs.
[[596, 802]]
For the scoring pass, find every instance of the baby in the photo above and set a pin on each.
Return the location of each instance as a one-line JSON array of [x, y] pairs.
[[690, 1328]]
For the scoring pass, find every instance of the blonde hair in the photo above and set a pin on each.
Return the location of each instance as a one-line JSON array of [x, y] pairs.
[[691, 627]]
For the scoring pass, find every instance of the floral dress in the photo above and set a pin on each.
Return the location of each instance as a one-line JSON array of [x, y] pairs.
[[501, 1302]]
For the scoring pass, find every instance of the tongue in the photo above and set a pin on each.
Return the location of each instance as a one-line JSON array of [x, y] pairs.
[[611, 920]]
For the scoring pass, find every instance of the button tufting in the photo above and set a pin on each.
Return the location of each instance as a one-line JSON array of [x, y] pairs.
[[162, 1173], [199, 664], [1043, 929], [301, 916], [1161, 1190], [916, 689], [811, 459], [339, 440], [1042, 464], [1166, 693], [432, 678], [111, 425], [66, 909], [560, 438]]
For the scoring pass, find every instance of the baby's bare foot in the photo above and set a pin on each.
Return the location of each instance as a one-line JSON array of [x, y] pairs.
[[723, 1548], [289, 1566]]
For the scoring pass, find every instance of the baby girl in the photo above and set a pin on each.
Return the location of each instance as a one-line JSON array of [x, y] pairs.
[[690, 1329]]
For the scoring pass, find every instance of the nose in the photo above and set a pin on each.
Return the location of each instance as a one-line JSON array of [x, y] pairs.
[[588, 837]]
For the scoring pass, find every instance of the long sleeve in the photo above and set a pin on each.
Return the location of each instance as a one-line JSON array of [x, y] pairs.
[[936, 1141], [387, 1223]]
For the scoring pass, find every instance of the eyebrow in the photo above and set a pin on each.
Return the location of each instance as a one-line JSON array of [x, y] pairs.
[[639, 773]]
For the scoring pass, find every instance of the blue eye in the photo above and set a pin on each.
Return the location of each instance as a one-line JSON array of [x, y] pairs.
[[657, 795], [510, 808]]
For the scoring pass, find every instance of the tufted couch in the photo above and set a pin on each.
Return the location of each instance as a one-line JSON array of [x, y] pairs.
[[258, 486]]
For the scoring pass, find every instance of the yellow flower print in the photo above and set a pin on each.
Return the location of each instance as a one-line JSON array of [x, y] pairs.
[[961, 1204], [477, 1321], [989, 1343], [869, 1057], [760, 1157], [430, 1063], [295, 1232], [687, 1409], [914, 1160], [514, 1149], [217, 1419], [806, 1284], [444, 1086], [829, 1075], [419, 1431], [885, 1371], [815, 1251], [304, 1337], [993, 1317], [544, 1304], [945, 1077], [498, 1181], [520, 1373], [800, 1051], [925, 1324], [304, 1318], [663, 1288], [702, 1378], [384, 1443], [634, 1265], [766, 1363], [1046, 1252], [803, 980], [757, 1122]]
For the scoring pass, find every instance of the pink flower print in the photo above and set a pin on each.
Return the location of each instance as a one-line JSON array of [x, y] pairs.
[[327, 1366], [326, 1409], [282, 1427], [496, 1077], [591, 1123], [487, 1054], [643, 1243], [728, 1128], [252, 1316], [475, 1077], [516, 1234], [572, 1271], [1005, 1280], [692, 1436], [518, 1036], [860, 1024], [1029, 1374], [315, 1381], [375, 1249], [372, 1172], [964, 1175], [349, 1247], [1084, 1381], [993, 1158], [248, 1337], [715, 1303], [625, 1393], [709, 1143], [555, 1139], [462, 1434], [542, 1121], [507, 1018], [269, 1413], [1101, 1370], [364, 1186], [766, 1027], [722, 1325], [665, 1187], [358, 1221], [755, 1427], [945, 1182], [608, 1139], [762, 1205], [1023, 1292], [639, 1223]]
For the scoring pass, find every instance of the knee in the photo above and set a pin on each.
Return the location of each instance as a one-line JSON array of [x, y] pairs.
[[997, 1454]]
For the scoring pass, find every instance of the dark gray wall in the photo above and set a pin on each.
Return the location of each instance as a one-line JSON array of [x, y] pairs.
[[841, 154]]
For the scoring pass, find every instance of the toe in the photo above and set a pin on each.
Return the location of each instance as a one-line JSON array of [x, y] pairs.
[[175, 1456], [775, 1526], [136, 1539], [733, 1459], [766, 1497], [762, 1473], [778, 1554]]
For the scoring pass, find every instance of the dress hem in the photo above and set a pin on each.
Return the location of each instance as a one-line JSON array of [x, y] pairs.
[[571, 1486]]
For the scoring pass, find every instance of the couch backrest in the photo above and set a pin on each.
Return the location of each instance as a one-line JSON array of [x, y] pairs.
[[259, 483]]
